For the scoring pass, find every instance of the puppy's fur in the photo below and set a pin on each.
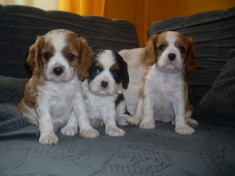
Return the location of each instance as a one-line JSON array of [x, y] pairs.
[[137, 71], [102, 90], [165, 93], [53, 96]]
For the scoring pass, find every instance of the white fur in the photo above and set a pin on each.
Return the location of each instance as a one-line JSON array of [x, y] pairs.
[[57, 60], [59, 101], [100, 102], [107, 60], [164, 93], [137, 73]]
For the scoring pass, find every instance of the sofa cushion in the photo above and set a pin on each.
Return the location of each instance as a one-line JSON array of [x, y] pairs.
[[214, 35], [218, 105], [21, 24], [10, 118], [11, 89], [11, 92]]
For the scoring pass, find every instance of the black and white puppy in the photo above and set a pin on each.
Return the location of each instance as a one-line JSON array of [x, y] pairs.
[[108, 76]]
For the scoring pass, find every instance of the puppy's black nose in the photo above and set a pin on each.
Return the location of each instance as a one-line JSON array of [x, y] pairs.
[[171, 56], [104, 84], [58, 71]]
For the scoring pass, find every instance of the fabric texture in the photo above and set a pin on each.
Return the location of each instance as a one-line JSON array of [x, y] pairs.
[[214, 35], [20, 25], [218, 105], [11, 89], [210, 152], [10, 118]]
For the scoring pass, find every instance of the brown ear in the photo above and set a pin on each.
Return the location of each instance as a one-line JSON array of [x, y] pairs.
[[192, 59], [85, 59], [150, 52], [33, 59]]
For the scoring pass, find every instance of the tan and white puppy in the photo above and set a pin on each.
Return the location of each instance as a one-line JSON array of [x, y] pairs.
[[105, 103], [53, 96], [137, 71], [165, 93]]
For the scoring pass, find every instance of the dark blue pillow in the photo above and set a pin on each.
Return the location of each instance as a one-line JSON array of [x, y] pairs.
[[218, 104]]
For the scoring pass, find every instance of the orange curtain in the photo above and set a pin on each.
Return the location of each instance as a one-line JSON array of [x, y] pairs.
[[142, 12], [84, 7]]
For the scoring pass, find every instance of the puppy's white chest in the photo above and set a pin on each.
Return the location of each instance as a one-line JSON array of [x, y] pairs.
[[163, 90], [59, 98]]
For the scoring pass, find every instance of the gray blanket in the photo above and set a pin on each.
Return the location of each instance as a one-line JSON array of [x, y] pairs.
[[210, 151]]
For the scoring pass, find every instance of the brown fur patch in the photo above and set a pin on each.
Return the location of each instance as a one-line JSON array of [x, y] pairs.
[[100, 66], [152, 50], [85, 58], [115, 67], [188, 106], [189, 56], [29, 98]]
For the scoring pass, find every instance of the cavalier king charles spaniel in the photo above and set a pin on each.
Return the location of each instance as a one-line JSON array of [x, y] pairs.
[[53, 96], [164, 96], [108, 76]]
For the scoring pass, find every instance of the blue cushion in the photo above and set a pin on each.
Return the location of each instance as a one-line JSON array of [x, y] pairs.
[[218, 105]]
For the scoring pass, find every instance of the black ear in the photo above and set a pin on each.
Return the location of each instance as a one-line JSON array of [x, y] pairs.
[[125, 76]]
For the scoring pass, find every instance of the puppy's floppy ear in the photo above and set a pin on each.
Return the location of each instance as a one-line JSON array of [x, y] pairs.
[[125, 76], [85, 59], [192, 59], [150, 52], [33, 59]]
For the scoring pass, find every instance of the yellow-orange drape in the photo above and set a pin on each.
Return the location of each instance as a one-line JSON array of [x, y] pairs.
[[83, 7], [142, 12]]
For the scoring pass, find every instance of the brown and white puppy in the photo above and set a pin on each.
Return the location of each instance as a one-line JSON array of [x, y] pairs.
[[53, 96], [165, 94], [137, 71], [105, 103]]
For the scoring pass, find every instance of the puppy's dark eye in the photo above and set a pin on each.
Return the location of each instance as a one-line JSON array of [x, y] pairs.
[[115, 72], [70, 57], [162, 47], [96, 70], [47, 55], [181, 49]]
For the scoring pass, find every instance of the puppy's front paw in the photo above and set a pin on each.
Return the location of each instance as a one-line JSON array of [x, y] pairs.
[[184, 129], [89, 133], [114, 131], [147, 125], [69, 130], [123, 120], [133, 120], [192, 122], [49, 139]]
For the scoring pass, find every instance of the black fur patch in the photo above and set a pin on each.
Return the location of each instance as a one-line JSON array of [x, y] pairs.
[[119, 99]]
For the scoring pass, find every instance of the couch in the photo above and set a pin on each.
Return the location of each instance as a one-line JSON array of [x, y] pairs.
[[210, 151]]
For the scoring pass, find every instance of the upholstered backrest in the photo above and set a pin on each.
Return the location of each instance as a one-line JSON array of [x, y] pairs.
[[19, 26]]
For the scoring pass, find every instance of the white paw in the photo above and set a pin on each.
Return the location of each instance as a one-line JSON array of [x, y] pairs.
[[69, 130], [89, 133], [184, 129], [123, 120], [49, 139], [133, 120], [114, 131], [192, 122], [147, 125]]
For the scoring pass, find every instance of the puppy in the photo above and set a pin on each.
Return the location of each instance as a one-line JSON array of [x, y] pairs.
[[137, 71], [53, 96], [165, 93], [108, 75]]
